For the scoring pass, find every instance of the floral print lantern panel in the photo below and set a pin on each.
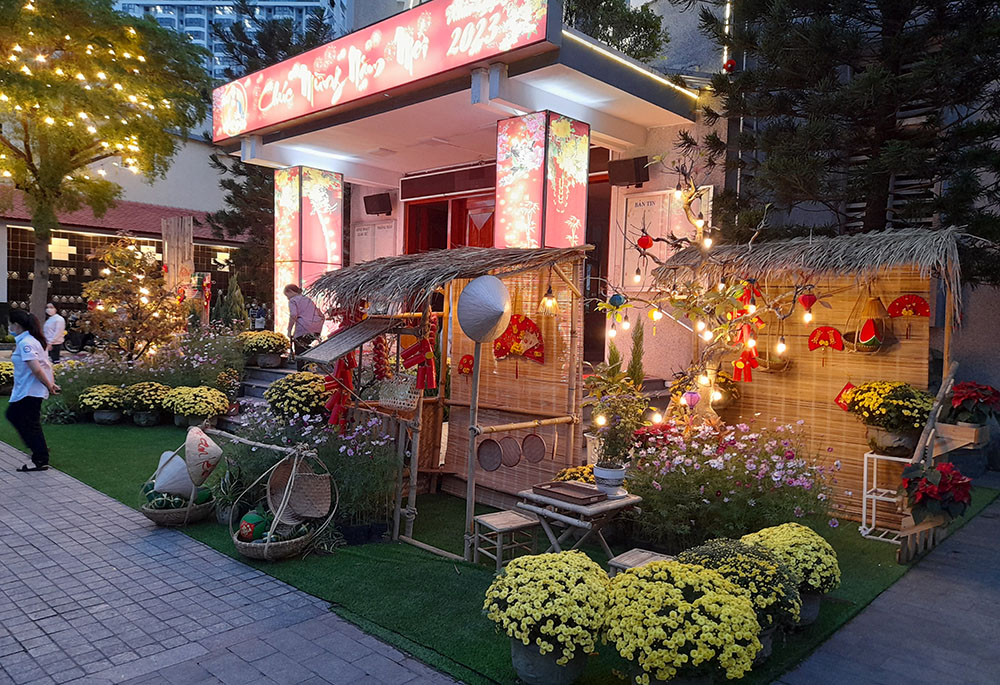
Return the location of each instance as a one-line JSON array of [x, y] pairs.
[[543, 163]]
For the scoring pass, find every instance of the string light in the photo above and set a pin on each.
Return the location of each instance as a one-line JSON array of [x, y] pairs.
[[656, 315], [637, 276], [752, 342], [699, 325], [678, 191], [601, 420], [657, 417], [706, 242], [613, 332], [626, 324], [751, 308], [716, 395], [707, 336], [781, 347], [700, 221], [807, 316], [704, 380]]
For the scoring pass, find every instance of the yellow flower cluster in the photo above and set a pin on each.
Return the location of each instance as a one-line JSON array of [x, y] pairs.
[[102, 398], [199, 401], [811, 558], [6, 373], [584, 474], [263, 342], [770, 585], [556, 601], [146, 396], [671, 618], [301, 393], [889, 404]]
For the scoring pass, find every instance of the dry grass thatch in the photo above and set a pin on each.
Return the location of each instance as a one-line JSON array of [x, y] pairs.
[[865, 256], [386, 283]]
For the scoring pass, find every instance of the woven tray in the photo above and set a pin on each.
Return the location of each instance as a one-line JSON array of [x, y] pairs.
[[570, 491], [272, 551], [178, 517]]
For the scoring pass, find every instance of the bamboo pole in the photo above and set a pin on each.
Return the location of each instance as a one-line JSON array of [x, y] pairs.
[[411, 496], [404, 315], [430, 548], [508, 410], [470, 484], [949, 322], [507, 427], [569, 282], [401, 453]]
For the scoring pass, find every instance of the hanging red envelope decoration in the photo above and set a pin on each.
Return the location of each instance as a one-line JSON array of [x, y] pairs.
[[465, 365], [839, 399], [909, 305], [522, 338]]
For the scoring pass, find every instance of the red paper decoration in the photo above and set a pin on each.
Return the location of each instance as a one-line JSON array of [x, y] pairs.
[[341, 384], [839, 399], [421, 355], [522, 338], [826, 337], [729, 66], [644, 242], [909, 305], [465, 365]]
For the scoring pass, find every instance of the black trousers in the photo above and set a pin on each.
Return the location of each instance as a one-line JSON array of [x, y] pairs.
[[26, 417], [54, 352]]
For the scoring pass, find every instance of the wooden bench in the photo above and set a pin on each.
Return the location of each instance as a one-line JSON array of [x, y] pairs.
[[490, 530], [634, 558]]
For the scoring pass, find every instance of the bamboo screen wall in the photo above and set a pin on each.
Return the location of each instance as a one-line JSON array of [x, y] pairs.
[[808, 388], [516, 389]]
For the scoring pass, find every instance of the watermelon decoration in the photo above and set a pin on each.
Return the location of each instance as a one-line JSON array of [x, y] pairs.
[[869, 335], [909, 305], [826, 337], [253, 526]]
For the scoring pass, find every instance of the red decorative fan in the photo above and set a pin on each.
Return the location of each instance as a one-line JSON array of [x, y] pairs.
[[522, 338], [826, 337], [465, 365], [909, 305]]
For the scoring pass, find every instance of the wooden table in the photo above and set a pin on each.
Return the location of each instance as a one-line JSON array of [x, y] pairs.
[[591, 518]]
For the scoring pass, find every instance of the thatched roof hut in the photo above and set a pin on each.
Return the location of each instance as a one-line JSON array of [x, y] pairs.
[[865, 256], [387, 282]]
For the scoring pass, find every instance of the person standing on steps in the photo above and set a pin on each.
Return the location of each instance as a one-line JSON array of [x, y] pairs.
[[55, 331], [305, 321], [33, 381]]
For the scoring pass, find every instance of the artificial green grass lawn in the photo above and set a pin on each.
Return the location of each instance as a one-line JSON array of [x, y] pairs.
[[427, 605]]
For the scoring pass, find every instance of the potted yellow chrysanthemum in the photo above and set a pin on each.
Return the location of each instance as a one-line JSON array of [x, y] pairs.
[[264, 346], [893, 413], [106, 401], [681, 623], [194, 406], [552, 608], [144, 401], [811, 558]]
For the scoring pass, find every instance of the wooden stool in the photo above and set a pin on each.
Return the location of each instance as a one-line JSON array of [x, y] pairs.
[[634, 558], [491, 529]]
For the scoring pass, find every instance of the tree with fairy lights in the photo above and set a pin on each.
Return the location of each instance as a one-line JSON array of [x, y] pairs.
[[80, 83], [129, 305]]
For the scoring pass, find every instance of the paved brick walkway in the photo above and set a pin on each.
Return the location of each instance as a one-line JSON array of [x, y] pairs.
[[938, 624], [91, 592]]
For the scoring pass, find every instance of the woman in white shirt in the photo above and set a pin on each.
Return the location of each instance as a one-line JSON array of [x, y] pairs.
[[55, 331], [33, 381]]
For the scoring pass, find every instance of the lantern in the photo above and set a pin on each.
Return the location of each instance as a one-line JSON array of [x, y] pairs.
[[691, 398]]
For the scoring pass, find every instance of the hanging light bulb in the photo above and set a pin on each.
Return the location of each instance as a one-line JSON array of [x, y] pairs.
[[751, 308], [807, 316], [613, 332], [678, 191], [716, 395], [706, 242], [601, 420], [626, 324], [548, 305], [707, 336], [752, 342], [700, 221], [781, 346], [703, 380], [655, 314], [637, 276], [699, 325], [657, 417]]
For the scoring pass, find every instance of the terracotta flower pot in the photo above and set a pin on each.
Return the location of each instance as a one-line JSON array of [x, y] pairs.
[[535, 668], [892, 443], [107, 417]]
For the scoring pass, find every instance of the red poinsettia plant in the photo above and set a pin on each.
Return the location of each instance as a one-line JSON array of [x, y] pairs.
[[941, 489], [974, 402]]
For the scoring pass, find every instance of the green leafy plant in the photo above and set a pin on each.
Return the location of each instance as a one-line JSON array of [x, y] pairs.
[[974, 403], [934, 490], [617, 409], [229, 381], [55, 411]]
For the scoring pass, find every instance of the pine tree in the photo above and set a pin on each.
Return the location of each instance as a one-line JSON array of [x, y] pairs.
[[80, 83], [252, 43], [637, 32], [234, 311], [836, 99], [635, 370]]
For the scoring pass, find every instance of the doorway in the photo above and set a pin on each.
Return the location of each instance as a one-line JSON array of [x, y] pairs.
[[426, 226], [472, 221], [596, 268]]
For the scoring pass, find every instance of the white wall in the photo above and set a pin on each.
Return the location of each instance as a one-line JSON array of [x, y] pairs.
[[975, 346], [190, 183], [670, 350], [360, 218]]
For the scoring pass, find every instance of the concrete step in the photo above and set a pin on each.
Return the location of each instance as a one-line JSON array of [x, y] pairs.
[[259, 375], [255, 389]]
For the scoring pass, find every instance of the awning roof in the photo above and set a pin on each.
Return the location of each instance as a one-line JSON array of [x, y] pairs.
[[449, 117], [347, 339]]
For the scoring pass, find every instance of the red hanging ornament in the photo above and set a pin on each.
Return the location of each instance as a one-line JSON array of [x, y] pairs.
[[421, 355], [729, 66], [341, 385], [908, 306], [644, 242], [465, 365]]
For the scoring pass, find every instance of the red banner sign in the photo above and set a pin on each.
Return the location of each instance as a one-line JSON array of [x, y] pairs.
[[430, 39]]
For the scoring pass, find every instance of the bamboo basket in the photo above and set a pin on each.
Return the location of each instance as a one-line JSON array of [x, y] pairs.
[[178, 517]]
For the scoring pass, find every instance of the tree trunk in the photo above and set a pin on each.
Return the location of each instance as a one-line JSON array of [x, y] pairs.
[[40, 285]]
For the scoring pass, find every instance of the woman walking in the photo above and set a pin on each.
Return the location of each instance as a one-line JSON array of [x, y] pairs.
[[55, 331], [33, 381]]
